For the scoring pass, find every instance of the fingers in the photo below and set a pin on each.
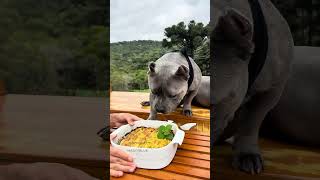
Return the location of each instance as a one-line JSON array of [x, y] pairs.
[[119, 119], [120, 154], [131, 118], [119, 167], [115, 173], [117, 160], [112, 136]]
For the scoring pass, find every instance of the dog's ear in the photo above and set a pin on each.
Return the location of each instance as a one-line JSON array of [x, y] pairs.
[[183, 72], [237, 29], [152, 66]]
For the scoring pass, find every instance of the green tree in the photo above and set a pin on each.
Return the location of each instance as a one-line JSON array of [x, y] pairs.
[[202, 57], [129, 63], [181, 35]]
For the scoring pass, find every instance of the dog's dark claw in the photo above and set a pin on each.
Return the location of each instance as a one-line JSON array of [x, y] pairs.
[[145, 103], [250, 163], [187, 112]]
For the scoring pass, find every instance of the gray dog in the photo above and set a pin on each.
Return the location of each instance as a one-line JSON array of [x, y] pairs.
[[252, 53], [175, 79], [296, 117]]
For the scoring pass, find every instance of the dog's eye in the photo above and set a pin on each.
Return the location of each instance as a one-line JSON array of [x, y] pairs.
[[154, 93], [172, 96]]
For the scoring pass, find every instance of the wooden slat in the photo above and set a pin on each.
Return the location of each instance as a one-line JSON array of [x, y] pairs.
[[160, 174], [193, 154], [188, 170], [192, 161], [199, 137], [196, 142], [198, 132], [195, 148], [131, 177]]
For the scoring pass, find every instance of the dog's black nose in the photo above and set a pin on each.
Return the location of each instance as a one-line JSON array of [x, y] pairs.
[[160, 109]]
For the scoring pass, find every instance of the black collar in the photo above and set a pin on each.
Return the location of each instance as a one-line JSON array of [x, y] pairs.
[[183, 51], [260, 39]]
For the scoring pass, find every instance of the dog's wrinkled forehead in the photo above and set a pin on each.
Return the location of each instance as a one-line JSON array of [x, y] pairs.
[[168, 76], [166, 87]]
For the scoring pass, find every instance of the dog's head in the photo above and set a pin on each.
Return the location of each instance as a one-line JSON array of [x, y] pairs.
[[232, 47], [168, 82]]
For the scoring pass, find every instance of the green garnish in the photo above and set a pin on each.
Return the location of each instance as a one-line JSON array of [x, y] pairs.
[[164, 132]]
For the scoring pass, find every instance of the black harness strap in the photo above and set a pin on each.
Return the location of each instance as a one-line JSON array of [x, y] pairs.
[[183, 51], [260, 39]]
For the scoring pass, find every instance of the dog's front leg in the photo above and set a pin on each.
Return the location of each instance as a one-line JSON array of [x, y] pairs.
[[153, 112], [187, 111], [247, 155]]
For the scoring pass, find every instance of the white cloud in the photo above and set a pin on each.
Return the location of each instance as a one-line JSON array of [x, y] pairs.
[[146, 19]]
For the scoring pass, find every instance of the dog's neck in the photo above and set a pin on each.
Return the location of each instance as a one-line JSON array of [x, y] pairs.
[[260, 40], [191, 71]]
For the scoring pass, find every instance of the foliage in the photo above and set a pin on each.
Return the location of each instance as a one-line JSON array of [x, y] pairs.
[[182, 36], [129, 62], [202, 57], [53, 47], [129, 59]]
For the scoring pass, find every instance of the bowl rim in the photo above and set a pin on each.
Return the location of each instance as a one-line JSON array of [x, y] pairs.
[[162, 148]]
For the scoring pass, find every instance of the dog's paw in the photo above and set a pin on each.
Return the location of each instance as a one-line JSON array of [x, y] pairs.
[[145, 103], [248, 162], [187, 112]]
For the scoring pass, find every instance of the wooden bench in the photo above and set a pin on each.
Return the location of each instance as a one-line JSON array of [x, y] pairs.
[[192, 160], [54, 129]]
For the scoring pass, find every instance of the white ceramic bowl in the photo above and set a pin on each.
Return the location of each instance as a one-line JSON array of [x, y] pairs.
[[150, 158]]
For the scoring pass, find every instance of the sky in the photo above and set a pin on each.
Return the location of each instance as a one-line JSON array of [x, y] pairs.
[[147, 19]]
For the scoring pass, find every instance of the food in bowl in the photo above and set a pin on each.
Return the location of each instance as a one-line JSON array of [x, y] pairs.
[[151, 158], [147, 137]]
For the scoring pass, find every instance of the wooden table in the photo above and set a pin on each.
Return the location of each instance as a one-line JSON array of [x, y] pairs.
[[130, 102], [282, 161], [192, 160], [54, 129]]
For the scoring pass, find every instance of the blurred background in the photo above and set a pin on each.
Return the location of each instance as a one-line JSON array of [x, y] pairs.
[[54, 47], [303, 18]]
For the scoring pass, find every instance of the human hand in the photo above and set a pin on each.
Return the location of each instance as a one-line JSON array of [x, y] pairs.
[[120, 161], [119, 119]]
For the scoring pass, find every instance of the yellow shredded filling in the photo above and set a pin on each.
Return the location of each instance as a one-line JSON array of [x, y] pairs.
[[144, 137]]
